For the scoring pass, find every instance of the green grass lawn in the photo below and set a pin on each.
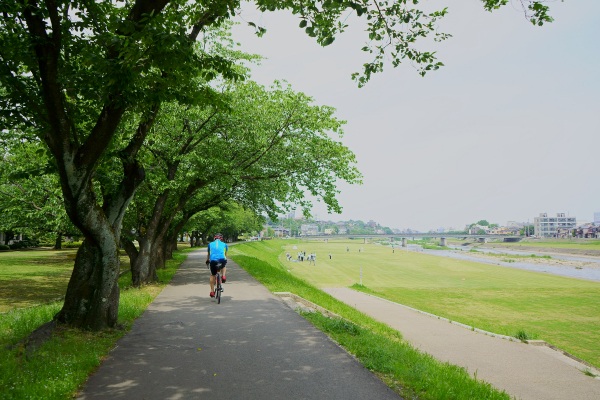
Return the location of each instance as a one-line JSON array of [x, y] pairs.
[[32, 277], [562, 311], [60, 366]]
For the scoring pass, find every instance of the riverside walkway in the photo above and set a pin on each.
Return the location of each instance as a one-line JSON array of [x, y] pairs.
[[253, 346], [525, 371]]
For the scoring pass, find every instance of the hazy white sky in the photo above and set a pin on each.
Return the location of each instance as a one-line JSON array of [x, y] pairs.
[[508, 129]]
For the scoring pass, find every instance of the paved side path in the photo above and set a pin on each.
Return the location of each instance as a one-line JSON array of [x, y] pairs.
[[251, 346], [525, 371]]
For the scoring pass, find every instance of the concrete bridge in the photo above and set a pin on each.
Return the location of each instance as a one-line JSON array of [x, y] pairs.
[[403, 237]]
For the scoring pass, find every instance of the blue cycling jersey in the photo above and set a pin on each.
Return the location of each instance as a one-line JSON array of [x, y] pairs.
[[217, 250]]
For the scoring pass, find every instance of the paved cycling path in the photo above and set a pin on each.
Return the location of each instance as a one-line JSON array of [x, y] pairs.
[[251, 346], [525, 371]]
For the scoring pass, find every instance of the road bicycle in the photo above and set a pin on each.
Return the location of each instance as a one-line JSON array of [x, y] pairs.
[[218, 286]]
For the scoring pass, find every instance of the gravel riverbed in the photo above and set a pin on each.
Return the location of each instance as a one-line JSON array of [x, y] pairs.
[[574, 264]]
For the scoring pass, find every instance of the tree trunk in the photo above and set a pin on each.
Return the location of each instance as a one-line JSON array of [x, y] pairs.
[[58, 241], [130, 249], [8, 236], [160, 258], [172, 248], [141, 267], [92, 299]]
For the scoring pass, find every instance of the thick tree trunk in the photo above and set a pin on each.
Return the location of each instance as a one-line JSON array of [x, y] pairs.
[[142, 269], [92, 299], [160, 257]]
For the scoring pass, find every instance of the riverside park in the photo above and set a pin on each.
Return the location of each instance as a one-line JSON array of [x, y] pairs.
[[507, 301]]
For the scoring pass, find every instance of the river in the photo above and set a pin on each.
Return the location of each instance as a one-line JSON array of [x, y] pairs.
[[573, 266]]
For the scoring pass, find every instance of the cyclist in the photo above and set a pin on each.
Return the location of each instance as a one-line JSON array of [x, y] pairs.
[[217, 253]]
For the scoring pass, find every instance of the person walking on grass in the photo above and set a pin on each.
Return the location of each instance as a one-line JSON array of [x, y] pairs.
[[217, 254]]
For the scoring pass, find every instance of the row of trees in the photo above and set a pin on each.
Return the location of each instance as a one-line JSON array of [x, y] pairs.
[[137, 112]]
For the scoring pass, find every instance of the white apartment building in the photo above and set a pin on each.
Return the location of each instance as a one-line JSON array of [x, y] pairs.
[[545, 226], [309, 230]]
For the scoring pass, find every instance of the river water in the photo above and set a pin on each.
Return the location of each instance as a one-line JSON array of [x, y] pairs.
[[580, 267]]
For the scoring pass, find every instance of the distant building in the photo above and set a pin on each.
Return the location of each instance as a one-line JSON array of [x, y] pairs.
[[309, 230], [545, 226], [476, 229], [597, 218], [281, 232]]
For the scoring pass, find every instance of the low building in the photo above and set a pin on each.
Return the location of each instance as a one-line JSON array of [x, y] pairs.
[[549, 226], [281, 232], [309, 230]]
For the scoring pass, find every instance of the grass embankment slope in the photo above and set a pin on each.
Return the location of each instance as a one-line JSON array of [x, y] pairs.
[[513, 302], [378, 347], [57, 368]]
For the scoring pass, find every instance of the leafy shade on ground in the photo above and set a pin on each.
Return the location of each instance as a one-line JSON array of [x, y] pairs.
[[33, 277]]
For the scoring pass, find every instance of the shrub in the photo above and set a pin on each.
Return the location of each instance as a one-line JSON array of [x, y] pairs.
[[29, 243], [71, 245], [4, 247]]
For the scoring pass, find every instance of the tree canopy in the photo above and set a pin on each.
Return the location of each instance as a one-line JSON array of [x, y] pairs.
[[89, 78]]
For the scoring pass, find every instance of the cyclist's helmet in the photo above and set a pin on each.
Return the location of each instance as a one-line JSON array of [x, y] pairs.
[[218, 236]]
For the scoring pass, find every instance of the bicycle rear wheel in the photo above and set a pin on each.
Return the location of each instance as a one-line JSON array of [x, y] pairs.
[[219, 289]]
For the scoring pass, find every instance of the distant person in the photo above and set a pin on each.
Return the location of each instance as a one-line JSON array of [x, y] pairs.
[[330, 256], [217, 254]]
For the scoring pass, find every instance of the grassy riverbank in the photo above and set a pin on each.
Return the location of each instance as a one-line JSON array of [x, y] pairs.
[[513, 302], [56, 369]]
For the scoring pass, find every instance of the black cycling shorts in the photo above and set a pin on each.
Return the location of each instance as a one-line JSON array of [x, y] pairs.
[[214, 263]]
